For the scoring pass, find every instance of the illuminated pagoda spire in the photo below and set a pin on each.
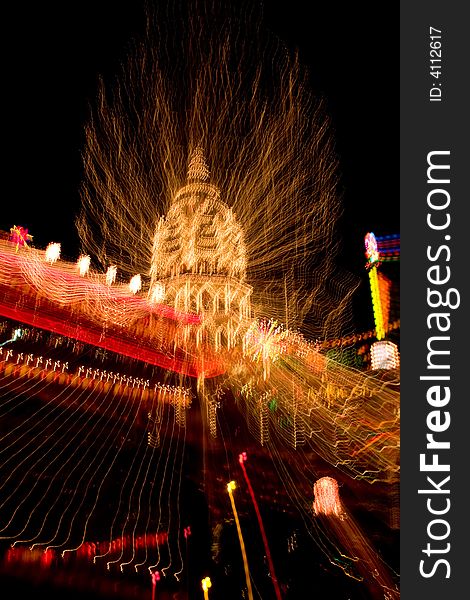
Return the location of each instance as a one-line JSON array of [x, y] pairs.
[[199, 258], [200, 234], [197, 168]]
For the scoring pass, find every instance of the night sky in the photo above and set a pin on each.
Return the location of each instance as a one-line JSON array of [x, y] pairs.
[[53, 53]]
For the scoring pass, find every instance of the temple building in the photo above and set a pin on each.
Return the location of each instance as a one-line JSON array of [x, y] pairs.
[[199, 261]]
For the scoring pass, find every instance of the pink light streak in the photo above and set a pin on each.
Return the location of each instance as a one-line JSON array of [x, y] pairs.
[[22, 300]]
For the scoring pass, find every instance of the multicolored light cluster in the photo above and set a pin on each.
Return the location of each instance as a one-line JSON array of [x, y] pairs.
[[265, 342], [373, 262], [372, 253], [20, 236]]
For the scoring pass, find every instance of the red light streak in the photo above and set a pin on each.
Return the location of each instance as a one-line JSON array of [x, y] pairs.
[[241, 459]]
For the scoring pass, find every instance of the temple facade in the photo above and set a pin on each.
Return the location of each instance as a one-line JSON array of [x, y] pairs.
[[199, 261]]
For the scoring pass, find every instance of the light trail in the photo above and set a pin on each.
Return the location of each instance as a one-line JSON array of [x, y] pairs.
[[230, 487], [206, 585], [242, 459], [366, 564]]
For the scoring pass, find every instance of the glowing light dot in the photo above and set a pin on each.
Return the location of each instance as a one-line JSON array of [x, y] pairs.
[[135, 284], [155, 575], [111, 274], [158, 293], [52, 252], [231, 486], [327, 501], [83, 265], [206, 583]]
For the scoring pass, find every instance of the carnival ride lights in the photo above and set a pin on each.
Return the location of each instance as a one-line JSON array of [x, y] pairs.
[[384, 355], [378, 250], [388, 247], [58, 299], [97, 446], [296, 384], [199, 260], [373, 262]]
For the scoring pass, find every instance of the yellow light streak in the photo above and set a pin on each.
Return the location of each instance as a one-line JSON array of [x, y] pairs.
[[376, 304], [230, 487], [206, 584]]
